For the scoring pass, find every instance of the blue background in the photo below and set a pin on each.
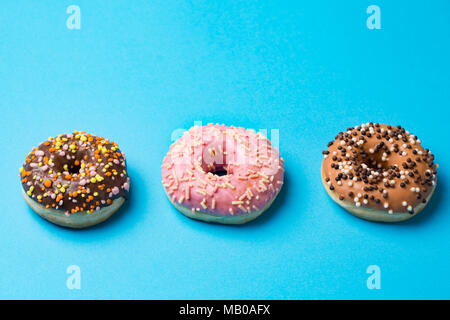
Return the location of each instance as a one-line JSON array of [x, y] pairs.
[[138, 70]]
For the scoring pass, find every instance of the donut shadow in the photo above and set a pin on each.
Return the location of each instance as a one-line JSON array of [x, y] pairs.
[[127, 206], [422, 216], [429, 211], [275, 207], [261, 219]]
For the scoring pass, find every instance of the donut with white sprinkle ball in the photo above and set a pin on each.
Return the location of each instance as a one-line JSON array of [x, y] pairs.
[[75, 180], [379, 172], [222, 174]]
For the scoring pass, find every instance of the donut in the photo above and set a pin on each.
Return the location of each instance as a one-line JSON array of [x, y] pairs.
[[75, 180], [379, 172], [221, 174]]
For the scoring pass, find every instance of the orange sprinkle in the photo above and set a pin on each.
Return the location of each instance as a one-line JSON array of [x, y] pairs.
[[48, 183]]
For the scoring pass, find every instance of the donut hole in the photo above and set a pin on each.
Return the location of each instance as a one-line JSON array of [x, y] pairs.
[[74, 168], [377, 162], [375, 165], [71, 166], [374, 160], [215, 163], [216, 167], [220, 172]]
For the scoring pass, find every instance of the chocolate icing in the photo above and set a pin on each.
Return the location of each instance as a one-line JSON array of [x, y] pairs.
[[379, 166], [76, 172]]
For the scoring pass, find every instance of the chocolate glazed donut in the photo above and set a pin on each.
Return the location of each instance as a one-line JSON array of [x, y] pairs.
[[75, 180], [379, 172]]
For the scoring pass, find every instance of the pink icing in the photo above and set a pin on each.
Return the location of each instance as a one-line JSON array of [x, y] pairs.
[[255, 172]]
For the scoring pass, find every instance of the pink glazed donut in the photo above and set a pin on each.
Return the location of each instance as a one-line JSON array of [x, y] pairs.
[[222, 174]]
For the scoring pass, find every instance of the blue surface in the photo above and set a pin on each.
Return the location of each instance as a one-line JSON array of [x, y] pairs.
[[138, 70]]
